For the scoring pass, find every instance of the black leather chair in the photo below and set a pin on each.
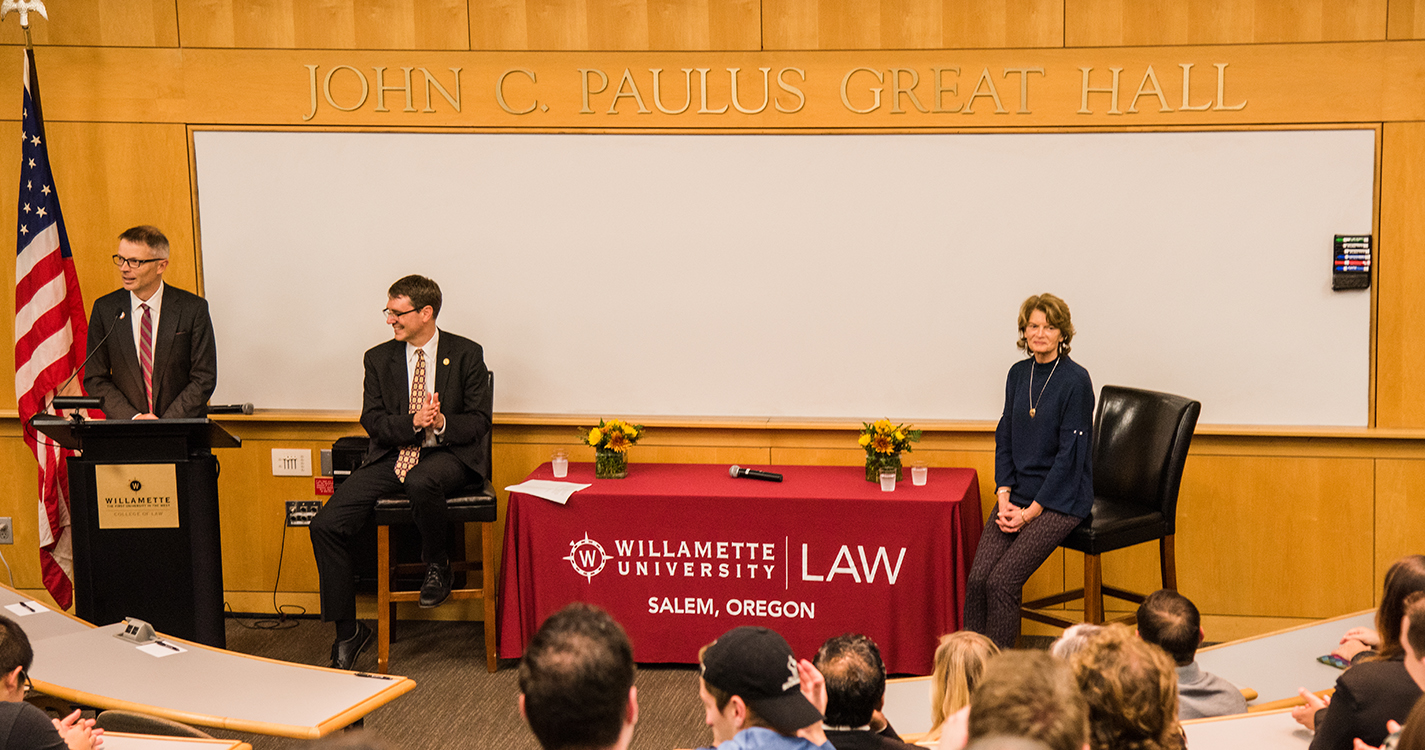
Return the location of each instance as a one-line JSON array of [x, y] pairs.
[[1140, 443], [473, 504]]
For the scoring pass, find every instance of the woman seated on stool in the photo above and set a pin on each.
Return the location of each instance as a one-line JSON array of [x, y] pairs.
[[1044, 485]]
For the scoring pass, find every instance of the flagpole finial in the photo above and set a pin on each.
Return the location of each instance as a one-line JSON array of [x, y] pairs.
[[24, 7]]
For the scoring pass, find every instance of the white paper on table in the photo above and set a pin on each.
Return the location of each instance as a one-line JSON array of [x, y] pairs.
[[558, 492], [160, 649], [25, 609]]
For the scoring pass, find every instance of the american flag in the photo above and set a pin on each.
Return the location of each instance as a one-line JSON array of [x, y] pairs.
[[49, 332]]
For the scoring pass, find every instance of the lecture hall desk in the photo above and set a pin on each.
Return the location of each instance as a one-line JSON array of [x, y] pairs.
[[681, 553]]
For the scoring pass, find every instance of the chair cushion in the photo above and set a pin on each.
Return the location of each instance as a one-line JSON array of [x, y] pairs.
[[1114, 525], [473, 504]]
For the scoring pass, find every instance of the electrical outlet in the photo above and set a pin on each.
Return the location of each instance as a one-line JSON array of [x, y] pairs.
[[291, 462], [301, 512], [7, 531]]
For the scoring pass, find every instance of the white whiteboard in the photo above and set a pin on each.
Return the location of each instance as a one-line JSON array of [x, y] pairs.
[[851, 276]]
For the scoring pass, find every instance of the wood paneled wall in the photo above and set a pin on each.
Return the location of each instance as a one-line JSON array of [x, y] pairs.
[[1331, 511]]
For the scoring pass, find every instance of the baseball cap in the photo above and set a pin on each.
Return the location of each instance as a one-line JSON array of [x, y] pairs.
[[758, 665]]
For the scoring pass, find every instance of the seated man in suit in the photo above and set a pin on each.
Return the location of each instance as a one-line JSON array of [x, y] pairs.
[[424, 408], [23, 726], [576, 682], [855, 691], [1170, 620], [151, 351]]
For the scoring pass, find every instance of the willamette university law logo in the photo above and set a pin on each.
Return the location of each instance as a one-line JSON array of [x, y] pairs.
[[588, 557]]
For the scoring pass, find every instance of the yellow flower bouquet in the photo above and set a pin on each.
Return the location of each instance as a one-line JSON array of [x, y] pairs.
[[884, 442], [611, 441]]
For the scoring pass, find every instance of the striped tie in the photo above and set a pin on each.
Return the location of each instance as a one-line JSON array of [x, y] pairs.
[[412, 453], [146, 352]]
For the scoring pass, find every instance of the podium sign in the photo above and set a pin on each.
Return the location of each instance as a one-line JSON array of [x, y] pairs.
[[136, 496], [144, 517]]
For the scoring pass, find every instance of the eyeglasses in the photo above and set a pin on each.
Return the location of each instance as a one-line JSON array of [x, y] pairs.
[[123, 262], [398, 313], [25, 678]]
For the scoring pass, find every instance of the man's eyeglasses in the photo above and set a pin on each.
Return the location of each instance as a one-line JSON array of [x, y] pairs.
[[25, 679], [123, 262], [397, 313]]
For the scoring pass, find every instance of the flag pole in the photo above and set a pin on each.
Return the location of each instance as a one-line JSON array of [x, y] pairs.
[[24, 7]]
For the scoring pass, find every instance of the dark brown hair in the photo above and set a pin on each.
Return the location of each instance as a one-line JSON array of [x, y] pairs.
[[421, 291], [1405, 577]]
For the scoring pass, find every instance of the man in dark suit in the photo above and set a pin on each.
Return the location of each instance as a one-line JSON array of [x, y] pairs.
[[157, 357], [425, 409], [855, 692]]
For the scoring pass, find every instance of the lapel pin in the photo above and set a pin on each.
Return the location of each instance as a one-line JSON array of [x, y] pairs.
[[445, 361]]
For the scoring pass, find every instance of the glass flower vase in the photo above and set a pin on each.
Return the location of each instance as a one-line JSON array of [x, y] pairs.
[[610, 465], [875, 461]]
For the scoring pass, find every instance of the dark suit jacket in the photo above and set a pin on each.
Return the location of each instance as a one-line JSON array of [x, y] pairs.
[[185, 358], [1366, 696], [461, 380], [862, 740]]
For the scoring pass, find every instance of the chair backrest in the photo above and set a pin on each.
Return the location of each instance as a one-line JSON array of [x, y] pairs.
[[488, 406], [132, 722], [1140, 443]]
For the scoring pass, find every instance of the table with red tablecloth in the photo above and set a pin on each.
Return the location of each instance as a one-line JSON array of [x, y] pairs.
[[681, 553]]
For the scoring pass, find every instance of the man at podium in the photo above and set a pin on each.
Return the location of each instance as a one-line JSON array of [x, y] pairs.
[[423, 407], [151, 350]]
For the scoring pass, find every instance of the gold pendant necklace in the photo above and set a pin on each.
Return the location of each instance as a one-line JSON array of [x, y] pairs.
[[1041, 390]]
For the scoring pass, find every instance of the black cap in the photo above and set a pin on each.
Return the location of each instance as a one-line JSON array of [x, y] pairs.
[[758, 665]]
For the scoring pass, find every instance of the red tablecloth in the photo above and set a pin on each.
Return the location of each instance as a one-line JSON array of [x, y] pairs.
[[679, 554]]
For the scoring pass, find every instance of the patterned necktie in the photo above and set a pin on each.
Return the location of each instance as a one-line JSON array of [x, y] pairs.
[[146, 352], [410, 454]]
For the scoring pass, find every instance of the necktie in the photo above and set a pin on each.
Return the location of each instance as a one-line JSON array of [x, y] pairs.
[[410, 454], [146, 352]]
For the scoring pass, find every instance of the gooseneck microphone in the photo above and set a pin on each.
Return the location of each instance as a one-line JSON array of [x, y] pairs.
[[766, 476], [112, 327]]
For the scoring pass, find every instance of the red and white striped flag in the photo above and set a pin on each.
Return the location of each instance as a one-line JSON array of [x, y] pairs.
[[50, 331]]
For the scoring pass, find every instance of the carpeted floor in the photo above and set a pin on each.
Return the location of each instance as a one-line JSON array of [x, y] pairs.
[[456, 703]]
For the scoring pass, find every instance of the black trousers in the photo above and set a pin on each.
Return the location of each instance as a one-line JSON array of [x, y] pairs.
[[438, 474]]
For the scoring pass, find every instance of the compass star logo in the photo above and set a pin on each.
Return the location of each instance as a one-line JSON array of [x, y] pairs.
[[588, 557]]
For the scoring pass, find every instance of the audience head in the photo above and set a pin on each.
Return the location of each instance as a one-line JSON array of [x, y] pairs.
[[1405, 577], [1170, 620], [1073, 639], [959, 663], [16, 656], [855, 679], [1029, 694], [1412, 637], [1002, 742], [1412, 732], [1132, 691], [576, 681], [1056, 312], [750, 679]]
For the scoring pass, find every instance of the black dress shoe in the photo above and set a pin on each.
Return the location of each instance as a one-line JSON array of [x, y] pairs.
[[344, 653], [436, 587]]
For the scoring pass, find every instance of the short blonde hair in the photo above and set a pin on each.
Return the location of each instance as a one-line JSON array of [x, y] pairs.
[[959, 662], [1055, 310]]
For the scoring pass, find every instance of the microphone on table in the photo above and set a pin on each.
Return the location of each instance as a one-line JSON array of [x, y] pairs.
[[738, 472], [230, 409]]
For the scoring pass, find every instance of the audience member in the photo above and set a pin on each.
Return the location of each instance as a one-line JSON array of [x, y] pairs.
[[855, 691], [1027, 694], [1132, 692], [959, 662], [1412, 641], [757, 695], [22, 725], [1171, 621], [1073, 638], [1406, 576], [1378, 687], [1000, 742], [576, 681]]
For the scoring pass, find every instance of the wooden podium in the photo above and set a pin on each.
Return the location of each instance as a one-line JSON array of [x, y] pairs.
[[144, 518]]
